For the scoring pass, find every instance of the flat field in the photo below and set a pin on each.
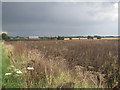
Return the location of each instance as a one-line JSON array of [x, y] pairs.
[[62, 64]]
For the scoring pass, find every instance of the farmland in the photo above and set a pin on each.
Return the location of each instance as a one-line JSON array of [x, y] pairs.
[[61, 64]]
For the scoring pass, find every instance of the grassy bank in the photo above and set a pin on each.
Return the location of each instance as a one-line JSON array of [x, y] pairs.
[[0, 64], [46, 74], [5, 61], [9, 81]]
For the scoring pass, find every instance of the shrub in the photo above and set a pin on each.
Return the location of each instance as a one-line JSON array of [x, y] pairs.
[[60, 38], [90, 37], [5, 36]]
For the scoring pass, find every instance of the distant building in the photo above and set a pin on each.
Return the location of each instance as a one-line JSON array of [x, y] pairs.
[[66, 38], [74, 38], [110, 38], [95, 38], [33, 37], [83, 38]]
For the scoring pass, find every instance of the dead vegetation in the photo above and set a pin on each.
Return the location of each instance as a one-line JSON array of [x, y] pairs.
[[94, 62]]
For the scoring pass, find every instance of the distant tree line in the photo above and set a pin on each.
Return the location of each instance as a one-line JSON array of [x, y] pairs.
[[6, 37], [91, 37], [52, 38]]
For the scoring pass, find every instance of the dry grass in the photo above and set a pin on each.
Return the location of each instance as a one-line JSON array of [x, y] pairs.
[[54, 62]]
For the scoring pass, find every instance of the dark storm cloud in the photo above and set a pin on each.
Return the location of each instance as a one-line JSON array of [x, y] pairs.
[[25, 18]]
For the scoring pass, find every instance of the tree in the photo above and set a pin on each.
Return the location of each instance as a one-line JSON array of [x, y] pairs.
[[98, 37], [60, 38], [70, 38], [5, 36], [90, 37]]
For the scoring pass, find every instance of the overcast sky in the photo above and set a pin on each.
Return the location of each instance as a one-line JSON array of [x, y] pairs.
[[53, 19]]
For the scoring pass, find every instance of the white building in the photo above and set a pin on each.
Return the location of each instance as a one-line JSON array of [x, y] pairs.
[[33, 37]]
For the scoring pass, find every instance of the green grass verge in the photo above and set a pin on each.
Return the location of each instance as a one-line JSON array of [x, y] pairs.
[[5, 61], [0, 64], [9, 81]]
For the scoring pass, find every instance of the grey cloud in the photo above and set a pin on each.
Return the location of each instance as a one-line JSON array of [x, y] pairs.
[[25, 18]]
